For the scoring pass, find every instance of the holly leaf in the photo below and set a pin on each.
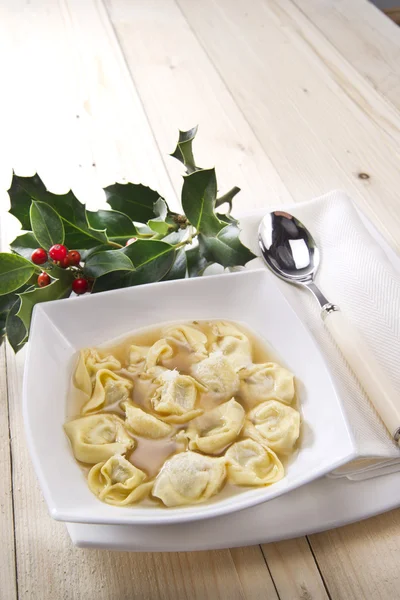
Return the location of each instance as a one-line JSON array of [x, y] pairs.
[[78, 233], [102, 263], [46, 225], [21, 192], [132, 199], [152, 260], [158, 225], [59, 288], [199, 192], [179, 267], [14, 272], [225, 248], [15, 329], [183, 151], [196, 262], [24, 244], [118, 226]]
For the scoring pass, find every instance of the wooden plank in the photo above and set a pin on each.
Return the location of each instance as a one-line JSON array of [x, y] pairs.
[[175, 69], [255, 578], [327, 57], [294, 571], [361, 560], [364, 36], [8, 586], [316, 136]]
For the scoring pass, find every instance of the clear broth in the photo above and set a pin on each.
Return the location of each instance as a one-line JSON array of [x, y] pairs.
[[149, 455]]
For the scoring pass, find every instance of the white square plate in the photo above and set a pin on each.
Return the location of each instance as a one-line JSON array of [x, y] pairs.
[[62, 327]]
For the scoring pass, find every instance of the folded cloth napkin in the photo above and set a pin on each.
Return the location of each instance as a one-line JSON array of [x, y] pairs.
[[356, 274]]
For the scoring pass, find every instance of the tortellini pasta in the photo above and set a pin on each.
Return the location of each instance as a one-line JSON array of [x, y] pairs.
[[274, 424], [216, 429], [189, 478], [175, 399], [118, 482], [233, 344], [98, 437], [137, 358], [266, 381], [250, 463], [193, 339], [109, 388], [218, 375], [159, 351], [174, 414], [88, 364], [144, 424]]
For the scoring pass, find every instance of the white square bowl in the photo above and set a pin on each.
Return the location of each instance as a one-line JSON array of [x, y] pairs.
[[62, 327]]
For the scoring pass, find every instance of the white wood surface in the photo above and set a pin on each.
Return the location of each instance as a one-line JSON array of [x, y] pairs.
[[293, 98]]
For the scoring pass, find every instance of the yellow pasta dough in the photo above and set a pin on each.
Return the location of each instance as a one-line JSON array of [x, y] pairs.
[[250, 463]]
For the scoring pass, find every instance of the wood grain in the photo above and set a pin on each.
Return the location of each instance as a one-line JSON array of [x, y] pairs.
[[364, 36], [316, 136], [7, 548], [361, 560], [294, 571]]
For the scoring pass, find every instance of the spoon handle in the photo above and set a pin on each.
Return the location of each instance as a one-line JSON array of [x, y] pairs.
[[366, 368]]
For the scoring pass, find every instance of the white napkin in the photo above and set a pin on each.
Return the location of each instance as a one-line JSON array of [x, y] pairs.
[[356, 274]]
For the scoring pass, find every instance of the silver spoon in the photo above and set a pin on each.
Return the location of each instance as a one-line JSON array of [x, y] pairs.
[[291, 253]]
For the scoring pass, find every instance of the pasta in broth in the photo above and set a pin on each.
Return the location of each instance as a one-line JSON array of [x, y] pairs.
[[175, 414]]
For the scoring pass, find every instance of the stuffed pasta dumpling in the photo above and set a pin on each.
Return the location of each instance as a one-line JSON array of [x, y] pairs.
[[109, 388], [89, 364], [275, 424], [233, 344], [249, 463], [213, 431], [137, 358], [193, 339], [217, 374], [143, 424], [118, 482], [158, 352], [267, 381], [176, 396], [189, 478], [98, 437]]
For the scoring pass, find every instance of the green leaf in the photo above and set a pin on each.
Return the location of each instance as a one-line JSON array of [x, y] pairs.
[[78, 233], [132, 199], [225, 248], [21, 192], [178, 269], [199, 192], [183, 151], [60, 288], [14, 272], [152, 260], [15, 329], [102, 263], [46, 225], [227, 218], [196, 262], [119, 227], [24, 245]]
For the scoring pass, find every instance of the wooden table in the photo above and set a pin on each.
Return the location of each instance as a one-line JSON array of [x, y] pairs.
[[293, 98]]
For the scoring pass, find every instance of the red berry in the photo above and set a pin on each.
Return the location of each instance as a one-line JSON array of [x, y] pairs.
[[80, 285], [43, 280], [64, 263], [58, 252], [130, 241], [39, 256], [74, 258]]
